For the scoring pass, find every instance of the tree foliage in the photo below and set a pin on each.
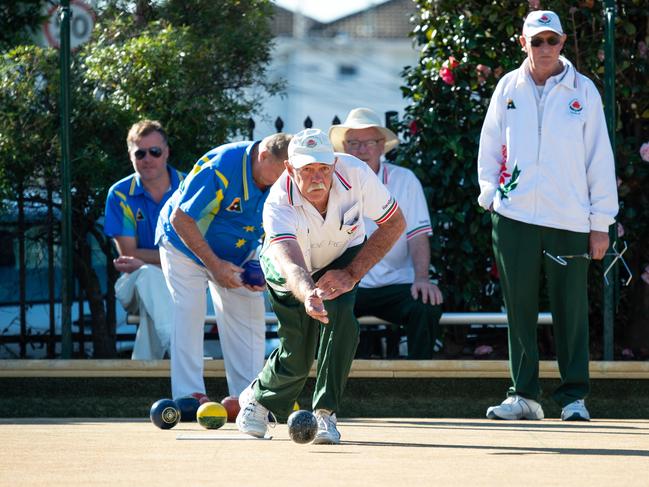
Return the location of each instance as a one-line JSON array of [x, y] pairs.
[[200, 71], [465, 48]]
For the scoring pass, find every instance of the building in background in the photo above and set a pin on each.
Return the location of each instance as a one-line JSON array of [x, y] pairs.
[[330, 68]]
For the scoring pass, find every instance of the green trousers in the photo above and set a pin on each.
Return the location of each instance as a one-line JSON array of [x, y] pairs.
[[281, 380], [518, 248], [395, 304]]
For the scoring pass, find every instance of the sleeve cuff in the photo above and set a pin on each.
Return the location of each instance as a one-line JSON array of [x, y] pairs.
[[600, 223], [486, 197]]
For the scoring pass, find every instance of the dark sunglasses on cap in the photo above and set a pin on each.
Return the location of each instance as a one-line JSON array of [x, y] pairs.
[[153, 152], [539, 41]]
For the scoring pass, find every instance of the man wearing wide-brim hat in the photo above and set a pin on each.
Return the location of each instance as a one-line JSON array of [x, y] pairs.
[[398, 288]]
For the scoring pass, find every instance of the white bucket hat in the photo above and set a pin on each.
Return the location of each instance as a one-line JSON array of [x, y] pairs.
[[361, 118], [308, 147]]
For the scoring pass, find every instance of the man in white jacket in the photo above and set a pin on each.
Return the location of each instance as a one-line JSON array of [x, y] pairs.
[[547, 174]]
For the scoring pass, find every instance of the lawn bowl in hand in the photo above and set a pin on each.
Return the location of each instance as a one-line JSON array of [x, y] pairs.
[[252, 274]]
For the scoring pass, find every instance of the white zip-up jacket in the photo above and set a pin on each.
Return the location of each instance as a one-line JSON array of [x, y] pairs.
[[556, 172]]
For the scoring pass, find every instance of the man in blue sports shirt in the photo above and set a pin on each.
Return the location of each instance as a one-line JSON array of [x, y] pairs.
[[206, 232], [132, 208]]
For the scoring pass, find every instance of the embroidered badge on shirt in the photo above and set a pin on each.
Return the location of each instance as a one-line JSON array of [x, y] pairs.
[[139, 216], [510, 104], [575, 106], [235, 205]]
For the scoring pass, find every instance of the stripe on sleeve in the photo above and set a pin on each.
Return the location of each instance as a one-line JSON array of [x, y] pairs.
[[280, 237], [392, 208], [418, 231]]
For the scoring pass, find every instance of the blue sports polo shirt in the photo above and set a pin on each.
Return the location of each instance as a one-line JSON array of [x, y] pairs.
[[131, 212], [221, 196]]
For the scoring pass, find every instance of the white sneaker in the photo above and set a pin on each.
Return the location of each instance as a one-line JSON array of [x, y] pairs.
[[327, 432], [516, 407], [246, 396], [575, 411], [253, 419]]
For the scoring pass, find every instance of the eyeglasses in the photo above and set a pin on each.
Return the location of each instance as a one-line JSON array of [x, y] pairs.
[[357, 144], [539, 41], [153, 152]]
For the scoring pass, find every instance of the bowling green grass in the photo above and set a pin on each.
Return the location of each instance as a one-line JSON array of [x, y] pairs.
[[105, 397]]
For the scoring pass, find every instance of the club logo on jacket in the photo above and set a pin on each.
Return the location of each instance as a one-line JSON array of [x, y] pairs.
[[235, 205], [139, 216], [510, 104], [575, 106]]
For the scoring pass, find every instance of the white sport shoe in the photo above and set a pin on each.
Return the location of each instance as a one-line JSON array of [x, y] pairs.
[[516, 407], [253, 419], [327, 432], [575, 411]]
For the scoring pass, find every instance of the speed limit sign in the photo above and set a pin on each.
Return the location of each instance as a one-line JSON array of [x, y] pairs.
[[81, 23]]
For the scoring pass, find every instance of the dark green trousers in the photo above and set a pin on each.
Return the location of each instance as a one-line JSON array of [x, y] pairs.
[[395, 304], [281, 380], [518, 248]]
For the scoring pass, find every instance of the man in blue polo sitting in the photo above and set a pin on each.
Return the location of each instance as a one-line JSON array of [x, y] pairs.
[[132, 208]]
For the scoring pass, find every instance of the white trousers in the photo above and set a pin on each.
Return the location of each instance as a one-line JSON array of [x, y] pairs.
[[240, 322], [144, 292]]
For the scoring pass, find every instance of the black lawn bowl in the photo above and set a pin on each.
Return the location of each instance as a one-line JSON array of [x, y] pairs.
[[302, 426]]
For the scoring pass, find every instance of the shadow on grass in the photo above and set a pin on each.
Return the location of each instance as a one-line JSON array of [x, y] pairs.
[[508, 450]]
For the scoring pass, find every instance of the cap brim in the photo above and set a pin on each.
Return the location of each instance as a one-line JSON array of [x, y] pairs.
[[337, 136], [301, 160]]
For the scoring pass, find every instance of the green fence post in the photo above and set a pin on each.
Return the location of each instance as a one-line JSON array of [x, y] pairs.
[[66, 207], [608, 308]]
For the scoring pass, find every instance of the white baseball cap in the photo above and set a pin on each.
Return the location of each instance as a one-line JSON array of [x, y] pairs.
[[541, 21], [310, 146]]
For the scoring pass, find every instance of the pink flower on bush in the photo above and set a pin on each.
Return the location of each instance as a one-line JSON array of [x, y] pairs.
[[534, 4], [620, 230], [498, 72], [446, 71], [644, 151], [451, 63], [601, 55], [447, 75], [413, 127]]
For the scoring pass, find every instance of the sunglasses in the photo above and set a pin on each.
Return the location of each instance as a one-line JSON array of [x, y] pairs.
[[153, 152], [539, 41]]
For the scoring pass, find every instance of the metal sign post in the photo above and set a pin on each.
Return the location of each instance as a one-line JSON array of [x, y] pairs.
[[66, 207]]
